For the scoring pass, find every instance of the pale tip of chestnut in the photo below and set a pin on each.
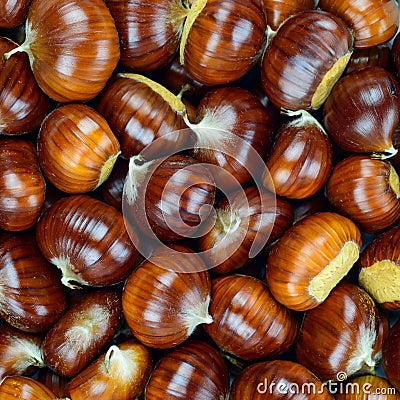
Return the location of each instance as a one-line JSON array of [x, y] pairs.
[[386, 154], [25, 47], [107, 168], [68, 275], [198, 315]]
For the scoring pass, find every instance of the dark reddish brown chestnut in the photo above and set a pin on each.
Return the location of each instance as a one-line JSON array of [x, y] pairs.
[[167, 297], [82, 332], [311, 258], [13, 12], [56, 383], [362, 112], [87, 240], [73, 47], [221, 40], [391, 355], [367, 191], [278, 379], [149, 31], [23, 105], [24, 388], [247, 321], [304, 60], [22, 185], [76, 148], [300, 161], [194, 371], [380, 269], [339, 336], [376, 56], [373, 22], [31, 296]]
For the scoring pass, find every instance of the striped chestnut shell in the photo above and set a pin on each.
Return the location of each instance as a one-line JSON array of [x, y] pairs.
[[376, 56], [73, 47], [87, 240], [311, 258], [13, 12], [76, 148], [24, 388], [222, 41], [379, 271], [149, 31], [366, 190], [305, 59], [22, 184], [23, 104]]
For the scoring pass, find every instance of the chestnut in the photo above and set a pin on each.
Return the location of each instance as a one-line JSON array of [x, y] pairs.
[[13, 12], [76, 148], [56, 383], [24, 388], [390, 355], [342, 335], [375, 56], [305, 59], [366, 190], [311, 258]]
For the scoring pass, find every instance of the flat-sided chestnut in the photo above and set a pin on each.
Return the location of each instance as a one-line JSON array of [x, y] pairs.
[[362, 112], [341, 335], [373, 22], [304, 60], [120, 373], [24, 388], [365, 190], [247, 321], [87, 240], [22, 185], [221, 40], [31, 295], [23, 104], [311, 258], [391, 355], [73, 47], [167, 297], [76, 148], [273, 380], [82, 332], [300, 161]]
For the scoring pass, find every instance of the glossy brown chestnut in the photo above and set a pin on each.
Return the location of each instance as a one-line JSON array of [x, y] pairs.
[[162, 302], [73, 47], [277, 11], [376, 56], [149, 31], [56, 383], [245, 222], [300, 161], [24, 388], [367, 191], [23, 104], [20, 352], [31, 296], [391, 355], [362, 112], [169, 199], [194, 371], [139, 111], [373, 22], [120, 373], [82, 332], [233, 130], [22, 185], [276, 380], [221, 40], [311, 258], [340, 335], [305, 59], [247, 321], [87, 240], [380, 269], [13, 12]]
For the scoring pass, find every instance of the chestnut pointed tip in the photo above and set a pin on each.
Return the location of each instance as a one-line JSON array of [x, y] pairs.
[[385, 154]]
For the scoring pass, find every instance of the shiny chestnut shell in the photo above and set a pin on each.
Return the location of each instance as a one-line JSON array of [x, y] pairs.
[[373, 22], [23, 104], [13, 12], [365, 190], [221, 40], [304, 60], [86, 238], [82, 332], [76, 148], [390, 355], [362, 112], [376, 56], [198, 367], [247, 321], [22, 185], [24, 388], [73, 47], [311, 258]]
